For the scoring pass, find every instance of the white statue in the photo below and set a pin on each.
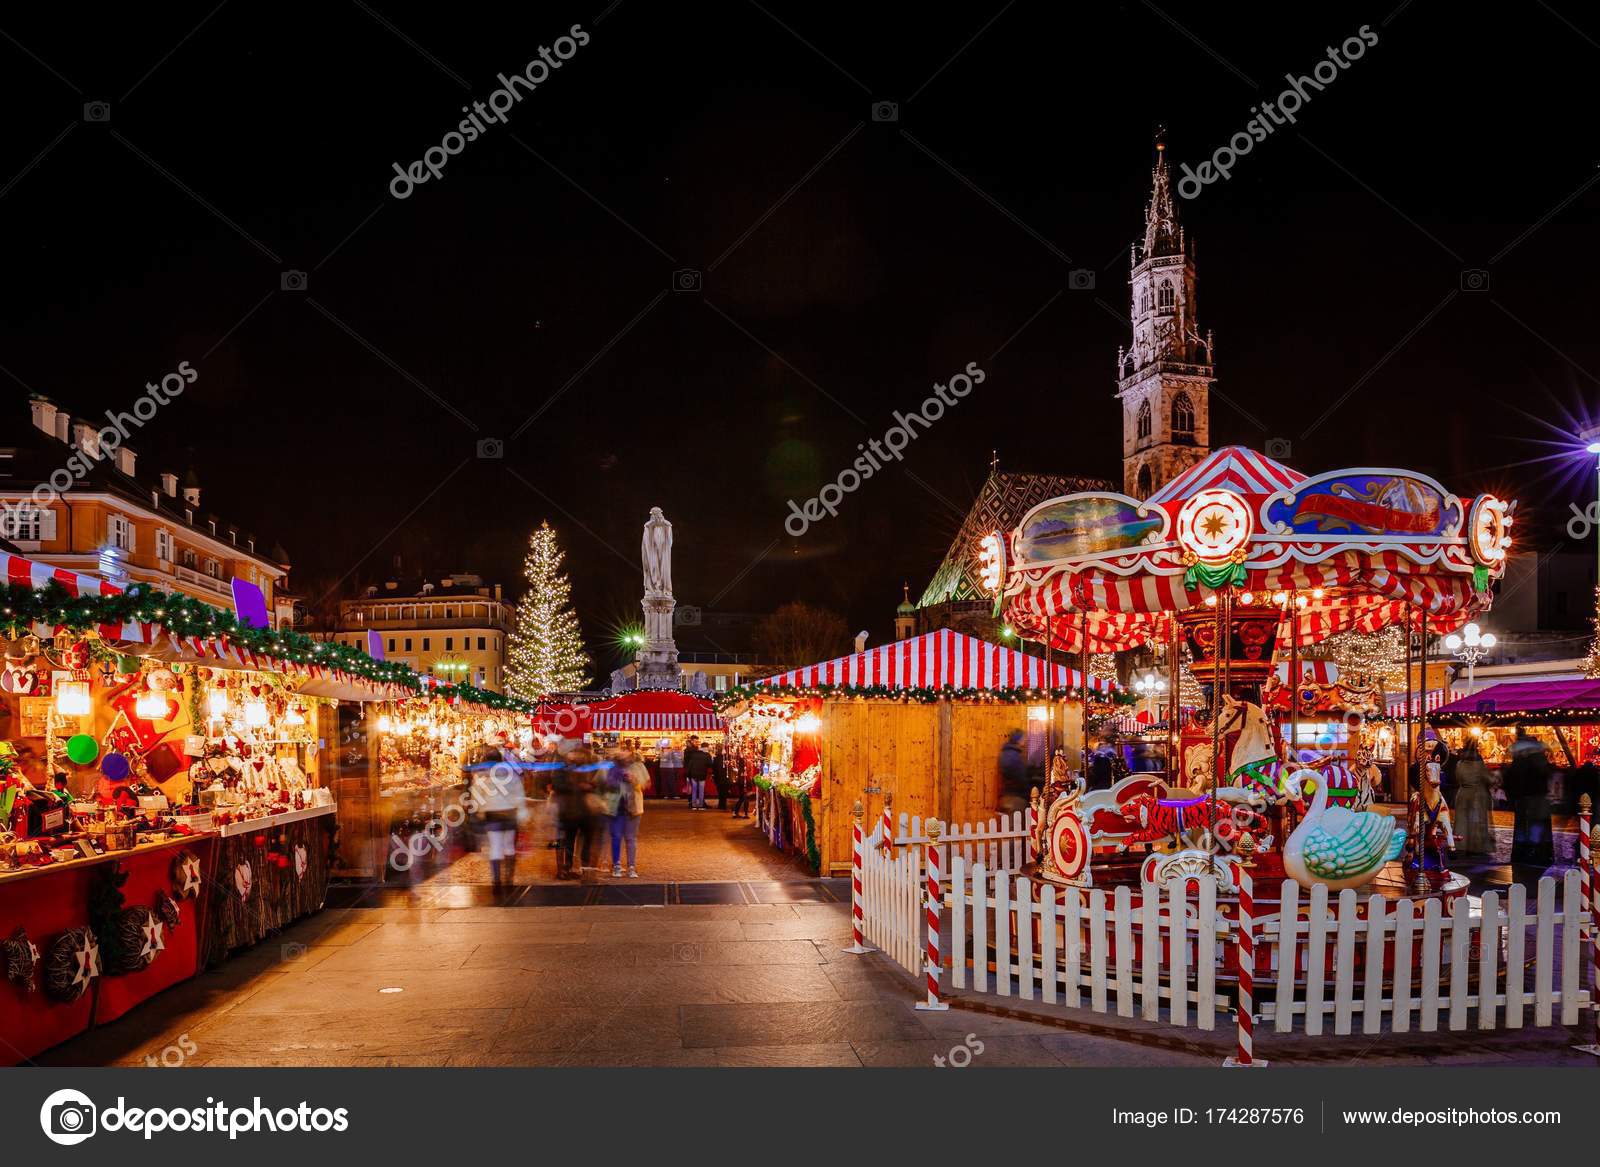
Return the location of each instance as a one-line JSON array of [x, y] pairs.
[[656, 551]]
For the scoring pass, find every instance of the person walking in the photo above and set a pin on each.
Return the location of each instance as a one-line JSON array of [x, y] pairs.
[[739, 768], [719, 774], [1474, 799], [578, 803], [696, 766], [629, 779], [499, 796]]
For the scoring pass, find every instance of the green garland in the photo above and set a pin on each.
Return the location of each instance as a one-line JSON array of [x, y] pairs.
[[184, 616], [813, 855], [921, 696]]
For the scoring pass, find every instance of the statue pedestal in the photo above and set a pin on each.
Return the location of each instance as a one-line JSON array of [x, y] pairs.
[[658, 660]]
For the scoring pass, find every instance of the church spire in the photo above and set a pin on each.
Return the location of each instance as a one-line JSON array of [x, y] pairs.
[[1162, 235]]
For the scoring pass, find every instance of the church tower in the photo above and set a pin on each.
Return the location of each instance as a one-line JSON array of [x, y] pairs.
[[1164, 378]]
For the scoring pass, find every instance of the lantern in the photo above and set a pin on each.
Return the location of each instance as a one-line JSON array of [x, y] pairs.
[[72, 698]]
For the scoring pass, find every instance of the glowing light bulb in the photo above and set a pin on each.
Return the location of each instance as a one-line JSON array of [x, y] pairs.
[[255, 714], [1247, 597], [808, 723], [217, 702], [72, 698], [150, 705]]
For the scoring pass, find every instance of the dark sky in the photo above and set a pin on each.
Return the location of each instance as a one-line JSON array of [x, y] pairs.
[[848, 263]]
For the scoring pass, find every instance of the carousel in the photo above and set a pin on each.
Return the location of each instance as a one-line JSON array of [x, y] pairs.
[[1232, 569]]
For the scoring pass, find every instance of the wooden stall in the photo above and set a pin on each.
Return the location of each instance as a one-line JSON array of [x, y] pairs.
[[922, 720]]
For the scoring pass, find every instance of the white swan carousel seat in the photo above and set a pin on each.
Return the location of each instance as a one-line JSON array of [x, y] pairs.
[[1338, 847]]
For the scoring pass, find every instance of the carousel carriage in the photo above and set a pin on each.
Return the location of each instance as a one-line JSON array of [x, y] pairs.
[[1245, 562]]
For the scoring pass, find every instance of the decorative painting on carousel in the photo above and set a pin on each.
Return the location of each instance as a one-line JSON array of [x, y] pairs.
[[1083, 525], [1365, 504]]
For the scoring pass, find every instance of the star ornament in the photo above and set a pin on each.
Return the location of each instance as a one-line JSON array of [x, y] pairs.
[[88, 963], [153, 936], [187, 876]]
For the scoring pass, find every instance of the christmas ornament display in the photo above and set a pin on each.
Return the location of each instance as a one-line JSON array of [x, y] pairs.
[[166, 910], [21, 960], [301, 861], [82, 749], [243, 879], [186, 875], [142, 938], [72, 965]]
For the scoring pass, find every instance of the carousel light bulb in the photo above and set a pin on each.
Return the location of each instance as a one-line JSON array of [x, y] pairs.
[[150, 705], [1211, 601], [1280, 598], [1247, 597], [1316, 593], [72, 698], [217, 702], [1301, 601], [255, 714]]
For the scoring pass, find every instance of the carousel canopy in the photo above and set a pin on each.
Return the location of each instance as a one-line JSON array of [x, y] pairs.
[[944, 659], [641, 711], [1364, 548], [1525, 703]]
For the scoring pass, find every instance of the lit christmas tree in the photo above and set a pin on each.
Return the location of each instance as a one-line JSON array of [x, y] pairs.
[[546, 650], [1376, 657]]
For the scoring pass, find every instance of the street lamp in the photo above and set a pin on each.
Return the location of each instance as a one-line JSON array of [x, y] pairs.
[[1592, 435], [1150, 687], [1471, 646]]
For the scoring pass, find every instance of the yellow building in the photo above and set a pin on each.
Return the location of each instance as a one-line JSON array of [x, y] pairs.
[[71, 497], [455, 628]]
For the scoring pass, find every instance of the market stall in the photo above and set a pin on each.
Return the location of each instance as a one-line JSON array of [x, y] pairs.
[[658, 720], [165, 790], [921, 719], [1562, 716]]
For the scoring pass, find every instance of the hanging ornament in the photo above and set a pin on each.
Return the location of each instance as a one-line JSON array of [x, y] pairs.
[[115, 767], [301, 861], [82, 748], [142, 937], [186, 875], [1214, 529], [243, 879], [166, 910], [72, 965], [21, 960]]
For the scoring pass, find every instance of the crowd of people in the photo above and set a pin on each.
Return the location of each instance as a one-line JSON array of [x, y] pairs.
[[580, 797]]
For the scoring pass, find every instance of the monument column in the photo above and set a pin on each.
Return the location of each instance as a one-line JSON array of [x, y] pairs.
[[658, 660]]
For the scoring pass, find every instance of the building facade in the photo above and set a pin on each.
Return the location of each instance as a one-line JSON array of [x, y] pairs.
[[1164, 376], [111, 523], [455, 628]]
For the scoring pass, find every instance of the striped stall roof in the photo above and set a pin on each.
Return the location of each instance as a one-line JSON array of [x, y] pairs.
[[1397, 705], [1234, 468], [944, 659], [26, 573]]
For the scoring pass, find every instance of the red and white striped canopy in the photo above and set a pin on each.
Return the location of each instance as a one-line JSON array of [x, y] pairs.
[[641, 711], [1234, 468], [1398, 709], [944, 659], [26, 573]]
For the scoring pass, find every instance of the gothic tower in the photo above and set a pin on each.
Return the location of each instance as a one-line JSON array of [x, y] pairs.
[[1164, 378]]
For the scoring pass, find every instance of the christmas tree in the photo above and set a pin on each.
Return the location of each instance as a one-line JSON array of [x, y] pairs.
[[546, 650]]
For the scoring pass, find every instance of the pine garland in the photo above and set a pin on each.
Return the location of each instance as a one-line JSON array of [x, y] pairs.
[[546, 651], [185, 617]]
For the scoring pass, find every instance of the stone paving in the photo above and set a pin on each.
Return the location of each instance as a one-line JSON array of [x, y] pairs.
[[439, 974]]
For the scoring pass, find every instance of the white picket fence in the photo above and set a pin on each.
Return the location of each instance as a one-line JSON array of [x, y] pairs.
[[893, 890], [1169, 952]]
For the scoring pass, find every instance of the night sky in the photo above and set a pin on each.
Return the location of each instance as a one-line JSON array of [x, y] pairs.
[[848, 264]]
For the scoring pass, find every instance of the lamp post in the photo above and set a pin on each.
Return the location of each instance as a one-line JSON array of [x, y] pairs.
[[1471, 646], [1591, 434], [1150, 687]]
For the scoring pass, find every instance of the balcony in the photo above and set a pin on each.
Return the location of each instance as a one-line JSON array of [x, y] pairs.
[[197, 579]]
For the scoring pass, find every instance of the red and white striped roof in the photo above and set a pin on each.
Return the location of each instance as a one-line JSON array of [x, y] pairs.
[[28, 574], [944, 659], [1234, 468], [1398, 709]]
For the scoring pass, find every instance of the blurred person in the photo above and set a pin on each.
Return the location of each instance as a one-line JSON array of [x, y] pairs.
[[629, 780], [578, 805], [719, 774], [1585, 780], [1527, 786], [499, 797], [671, 772], [1474, 801], [1013, 774], [696, 767], [739, 764]]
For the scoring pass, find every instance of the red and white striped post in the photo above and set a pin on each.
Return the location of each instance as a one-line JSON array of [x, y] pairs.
[[887, 842], [930, 855], [1245, 1057], [857, 910], [1588, 841]]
